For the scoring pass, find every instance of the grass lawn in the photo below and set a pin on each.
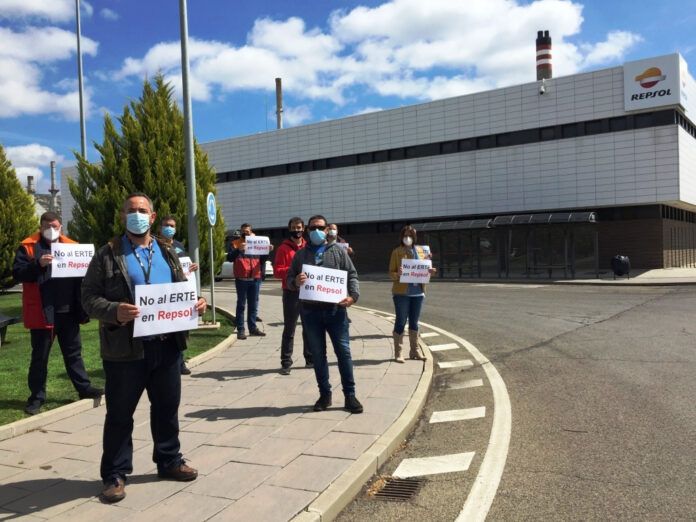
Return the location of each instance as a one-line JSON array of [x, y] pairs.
[[15, 355]]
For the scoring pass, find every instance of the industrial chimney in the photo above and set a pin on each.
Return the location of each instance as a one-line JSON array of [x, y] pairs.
[[279, 103], [543, 56], [54, 189], [31, 189]]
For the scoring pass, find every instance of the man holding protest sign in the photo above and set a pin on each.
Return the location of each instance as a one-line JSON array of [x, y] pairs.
[[333, 237], [167, 232], [249, 254], [133, 363], [328, 284], [51, 308]]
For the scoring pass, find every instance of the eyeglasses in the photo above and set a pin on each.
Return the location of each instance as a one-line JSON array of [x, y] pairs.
[[316, 227]]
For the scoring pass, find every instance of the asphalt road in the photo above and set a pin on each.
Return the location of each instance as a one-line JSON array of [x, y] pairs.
[[601, 385]]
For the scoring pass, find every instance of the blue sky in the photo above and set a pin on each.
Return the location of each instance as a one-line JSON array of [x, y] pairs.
[[336, 57]]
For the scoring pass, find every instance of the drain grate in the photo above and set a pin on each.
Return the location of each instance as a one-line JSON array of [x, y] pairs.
[[399, 489]]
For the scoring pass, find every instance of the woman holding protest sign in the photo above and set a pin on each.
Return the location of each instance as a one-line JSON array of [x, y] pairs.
[[407, 292]]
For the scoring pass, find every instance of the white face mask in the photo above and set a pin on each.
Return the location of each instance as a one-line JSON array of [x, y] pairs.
[[333, 232], [407, 241], [51, 234]]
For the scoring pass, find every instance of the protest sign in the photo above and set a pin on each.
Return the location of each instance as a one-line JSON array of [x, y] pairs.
[[257, 245], [165, 308], [426, 249], [415, 270], [324, 284], [186, 265], [70, 259], [344, 246]]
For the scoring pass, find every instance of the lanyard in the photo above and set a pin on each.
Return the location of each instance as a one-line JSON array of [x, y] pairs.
[[151, 250]]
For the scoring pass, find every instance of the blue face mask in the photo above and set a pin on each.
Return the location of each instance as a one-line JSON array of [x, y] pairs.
[[317, 237], [168, 232], [138, 224]]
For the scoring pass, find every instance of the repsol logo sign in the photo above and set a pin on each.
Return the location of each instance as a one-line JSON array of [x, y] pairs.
[[651, 94]]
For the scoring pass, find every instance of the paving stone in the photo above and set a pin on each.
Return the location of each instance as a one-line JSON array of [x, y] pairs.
[[243, 436], [207, 459], [267, 504], [213, 425], [75, 423], [385, 405], [53, 472], [232, 481], [309, 472], [8, 471], [83, 437], [185, 507], [10, 493], [374, 423], [401, 379], [9, 515], [95, 510], [342, 445], [31, 458], [306, 429], [275, 452], [147, 490], [393, 391], [53, 500]]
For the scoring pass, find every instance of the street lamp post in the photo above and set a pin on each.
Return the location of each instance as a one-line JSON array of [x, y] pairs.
[[83, 134], [188, 142]]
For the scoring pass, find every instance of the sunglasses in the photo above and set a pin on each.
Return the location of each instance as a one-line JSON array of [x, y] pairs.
[[316, 227]]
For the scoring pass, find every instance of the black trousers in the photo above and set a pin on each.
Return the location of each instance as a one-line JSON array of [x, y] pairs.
[[291, 311], [67, 329], [159, 373]]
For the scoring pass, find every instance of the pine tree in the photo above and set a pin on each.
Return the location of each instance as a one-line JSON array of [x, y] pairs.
[[146, 154], [17, 218]]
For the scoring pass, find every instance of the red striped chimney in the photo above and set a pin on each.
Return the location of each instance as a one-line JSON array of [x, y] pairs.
[[543, 56]]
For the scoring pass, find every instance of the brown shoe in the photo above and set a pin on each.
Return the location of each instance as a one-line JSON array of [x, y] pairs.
[[181, 472], [114, 490]]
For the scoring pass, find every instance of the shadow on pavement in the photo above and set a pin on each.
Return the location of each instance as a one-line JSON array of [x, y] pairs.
[[44, 494], [230, 375], [370, 336], [213, 414]]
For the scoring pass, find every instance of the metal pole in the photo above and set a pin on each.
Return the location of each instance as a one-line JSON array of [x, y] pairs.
[[279, 103], [83, 133], [212, 274], [188, 142]]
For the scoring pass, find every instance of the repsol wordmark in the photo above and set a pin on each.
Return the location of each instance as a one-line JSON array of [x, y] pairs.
[[651, 94]]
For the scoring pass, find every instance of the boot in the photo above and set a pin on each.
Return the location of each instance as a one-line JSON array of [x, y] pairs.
[[416, 352], [398, 346]]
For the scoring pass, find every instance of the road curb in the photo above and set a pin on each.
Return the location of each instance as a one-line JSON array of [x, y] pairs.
[[343, 490], [36, 422]]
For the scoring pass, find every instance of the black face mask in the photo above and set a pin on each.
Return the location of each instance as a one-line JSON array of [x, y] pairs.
[[296, 233]]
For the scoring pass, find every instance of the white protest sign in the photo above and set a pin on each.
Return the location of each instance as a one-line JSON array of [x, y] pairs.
[[70, 259], [165, 308], [415, 270], [324, 284], [186, 265], [344, 246], [257, 246]]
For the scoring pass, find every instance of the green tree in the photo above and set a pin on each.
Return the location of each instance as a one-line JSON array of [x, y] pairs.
[[17, 218], [144, 154]]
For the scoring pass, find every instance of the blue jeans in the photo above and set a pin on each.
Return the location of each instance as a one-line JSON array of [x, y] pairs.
[[407, 308], [159, 373], [247, 295], [317, 322]]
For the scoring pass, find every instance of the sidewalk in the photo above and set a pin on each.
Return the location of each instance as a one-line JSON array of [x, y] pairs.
[[261, 452]]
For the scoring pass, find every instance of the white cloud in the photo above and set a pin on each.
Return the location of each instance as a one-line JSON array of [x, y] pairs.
[[86, 8], [403, 48], [109, 14], [367, 110], [23, 56], [53, 10], [296, 115], [33, 160]]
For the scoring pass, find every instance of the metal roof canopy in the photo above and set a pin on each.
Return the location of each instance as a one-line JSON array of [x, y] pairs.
[[517, 219]]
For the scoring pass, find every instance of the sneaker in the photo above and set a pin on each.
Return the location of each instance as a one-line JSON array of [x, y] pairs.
[[323, 402], [285, 371], [353, 405], [257, 333], [114, 490], [180, 472], [91, 393], [32, 407], [241, 335], [185, 370]]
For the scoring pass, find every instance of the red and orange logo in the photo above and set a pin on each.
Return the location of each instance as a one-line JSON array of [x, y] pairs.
[[650, 77]]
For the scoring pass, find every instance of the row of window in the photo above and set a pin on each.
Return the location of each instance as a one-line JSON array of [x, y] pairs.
[[505, 139], [678, 214]]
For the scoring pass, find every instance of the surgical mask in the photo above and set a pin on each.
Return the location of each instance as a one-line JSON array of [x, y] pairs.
[[332, 232], [407, 241], [138, 224], [317, 237], [296, 233], [51, 234], [168, 232]]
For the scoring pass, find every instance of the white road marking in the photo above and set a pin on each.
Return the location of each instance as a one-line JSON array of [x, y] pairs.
[[457, 415], [473, 383], [464, 363], [443, 347], [434, 465], [425, 335], [509, 285]]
